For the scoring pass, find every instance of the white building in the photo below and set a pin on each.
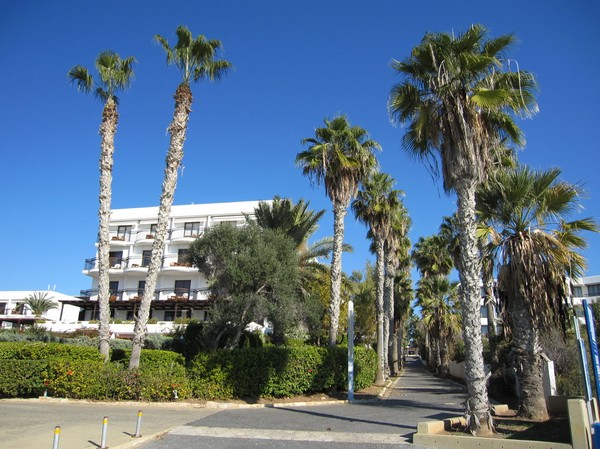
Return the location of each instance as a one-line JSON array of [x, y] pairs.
[[14, 312], [585, 287], [181, 290]]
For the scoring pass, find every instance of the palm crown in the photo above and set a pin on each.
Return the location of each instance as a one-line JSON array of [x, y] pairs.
[[114, 74], [340, 156], [194, 57], [457, 101]]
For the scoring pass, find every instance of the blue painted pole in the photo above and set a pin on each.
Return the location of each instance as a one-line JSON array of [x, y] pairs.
[[589, 322]]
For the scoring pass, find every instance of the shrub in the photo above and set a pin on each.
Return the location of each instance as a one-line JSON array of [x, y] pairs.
[[277, 371], [22, 378]]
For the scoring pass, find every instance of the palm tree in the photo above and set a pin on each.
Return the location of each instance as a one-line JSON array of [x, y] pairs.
[[525, 212], [374, 205], [40, 303], [340, 156], [195, 59], [114, 75], [397, 270], [431, 254], [457, 100], [436, 296], [297, 221]]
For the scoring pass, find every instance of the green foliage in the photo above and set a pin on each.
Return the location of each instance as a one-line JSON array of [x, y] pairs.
[[21, 378], [44, 351], [27, 369], [277, 371], [254, 274]]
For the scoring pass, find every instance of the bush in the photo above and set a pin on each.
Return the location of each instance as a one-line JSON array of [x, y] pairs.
[[277, 371], [22, 378]]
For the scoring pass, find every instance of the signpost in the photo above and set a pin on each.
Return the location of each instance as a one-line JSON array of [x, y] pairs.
[[350, 350]]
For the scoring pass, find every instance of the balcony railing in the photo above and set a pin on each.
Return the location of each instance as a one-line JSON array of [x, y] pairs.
[[161, 294], [138, 261]]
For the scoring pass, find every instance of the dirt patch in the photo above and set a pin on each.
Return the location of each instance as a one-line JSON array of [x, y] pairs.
[[554, 430]]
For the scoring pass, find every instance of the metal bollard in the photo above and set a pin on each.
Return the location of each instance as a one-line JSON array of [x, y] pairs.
[[104, 430], [138, 425], [56, 437]]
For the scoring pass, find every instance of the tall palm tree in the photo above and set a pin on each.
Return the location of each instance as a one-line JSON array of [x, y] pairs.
[[458, 101], [113, 75], [195, 60], [374, 206], [536, 248], [397, 266], [436, 296], [340, 156], [40, 303]]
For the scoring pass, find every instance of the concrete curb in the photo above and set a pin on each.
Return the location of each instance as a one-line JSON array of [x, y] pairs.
[[429, 434]]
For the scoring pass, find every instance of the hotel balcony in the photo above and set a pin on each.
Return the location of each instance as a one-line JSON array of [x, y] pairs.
[[139, 263], [134, 295]]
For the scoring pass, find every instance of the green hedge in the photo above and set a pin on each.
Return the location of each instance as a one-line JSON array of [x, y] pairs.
[[29, 369], [78, 372], [277, 371]]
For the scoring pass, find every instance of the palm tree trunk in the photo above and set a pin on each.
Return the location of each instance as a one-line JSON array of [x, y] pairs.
[[388, 305], [469, 270], [379, 272], [108, 129], [529, 360], [339, 212], [177, 129]]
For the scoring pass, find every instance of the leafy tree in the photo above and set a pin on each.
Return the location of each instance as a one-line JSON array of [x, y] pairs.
[[340, 156], [536, 249], [40, 303], [458, 100], [195, 58], [252, 273], [113, 75]]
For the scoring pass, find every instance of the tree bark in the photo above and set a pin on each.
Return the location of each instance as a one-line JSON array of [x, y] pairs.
[[379, 306], [528, 360], [339, 212], [478, 409], [391, 329], [108, 129], [177, 129]]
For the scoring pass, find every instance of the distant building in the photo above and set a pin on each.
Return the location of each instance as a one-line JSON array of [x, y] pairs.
[[15, 313], [585, 287]]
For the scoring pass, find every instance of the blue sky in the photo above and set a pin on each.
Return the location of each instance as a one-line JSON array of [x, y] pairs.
[[296, 62]]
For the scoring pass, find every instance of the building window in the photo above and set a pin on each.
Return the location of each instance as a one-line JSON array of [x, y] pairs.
[[146, 256], [182, 257], [191, 229], [115, 259], [593, 290], [182, 288], [2, 308], [141, 287], [124, 233], [577, 292], [129, 316], [153, 229], [484, 330], [484, 311]]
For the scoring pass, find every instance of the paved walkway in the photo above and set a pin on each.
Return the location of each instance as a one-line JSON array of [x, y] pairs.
[[416, 396]]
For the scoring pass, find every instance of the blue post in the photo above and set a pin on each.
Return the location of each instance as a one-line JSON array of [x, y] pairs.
[[589, 322]]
